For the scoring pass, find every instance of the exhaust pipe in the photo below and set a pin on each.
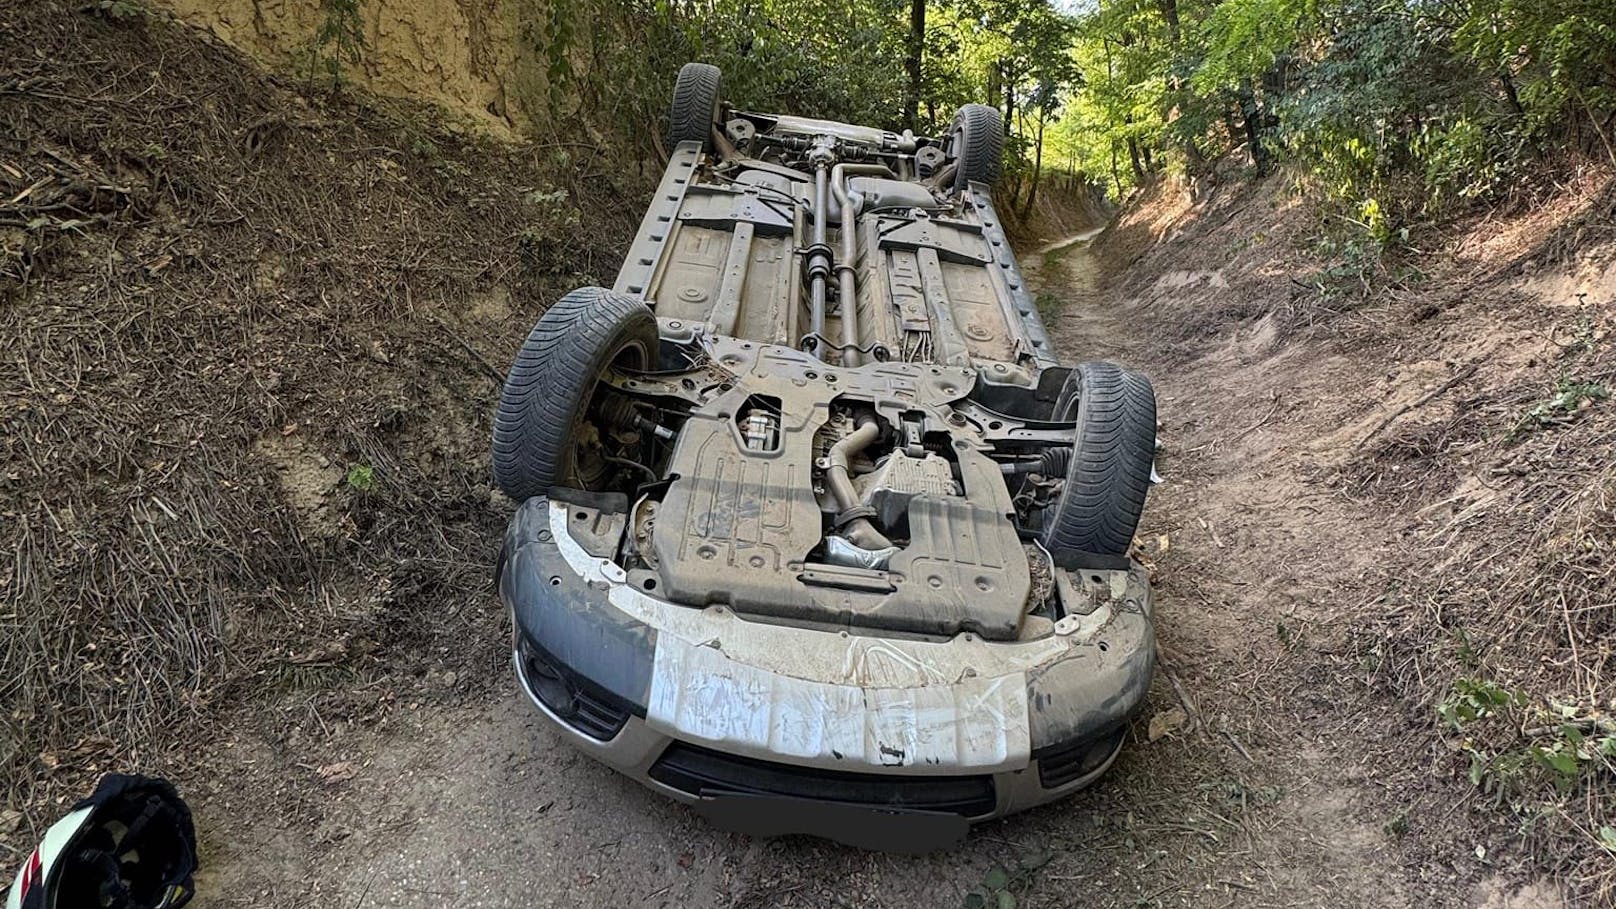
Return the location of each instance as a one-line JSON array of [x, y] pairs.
[[846, 277], [855, 526], [819, 255]]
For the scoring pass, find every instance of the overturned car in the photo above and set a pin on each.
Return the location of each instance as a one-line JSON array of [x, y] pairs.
[[810, 515]]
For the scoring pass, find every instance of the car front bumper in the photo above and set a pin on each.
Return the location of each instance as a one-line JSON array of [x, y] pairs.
[[710, 707]]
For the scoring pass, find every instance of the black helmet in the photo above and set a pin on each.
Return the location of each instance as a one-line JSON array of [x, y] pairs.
[[130, 845]]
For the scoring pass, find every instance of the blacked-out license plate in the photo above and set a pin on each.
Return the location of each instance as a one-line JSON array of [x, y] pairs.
[[863, 826]]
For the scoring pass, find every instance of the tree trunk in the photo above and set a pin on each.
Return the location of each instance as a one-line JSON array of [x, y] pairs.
[[1134, 158], [1110, 73], [1116, 176], [1251, 112], [1037, 167], [911, 63], [1196, 161], [1009, 96], [995, 78], [1514, 97], [1169, 13]]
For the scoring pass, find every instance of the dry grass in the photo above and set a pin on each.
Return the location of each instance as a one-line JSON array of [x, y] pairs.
[[1511, 492], [1513, 584], [221, 294], [1493, 456]]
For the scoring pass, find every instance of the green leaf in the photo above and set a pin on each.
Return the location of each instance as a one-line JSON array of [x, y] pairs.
[[975, 900], [1561, 762], [996, 879], [1607, 838], [362, 477], [1006, 900]]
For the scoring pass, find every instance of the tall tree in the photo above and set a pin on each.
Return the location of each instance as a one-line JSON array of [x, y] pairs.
[[912, 62]]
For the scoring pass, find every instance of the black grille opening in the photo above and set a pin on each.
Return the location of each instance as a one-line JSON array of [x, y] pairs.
[[578, 702], [702, 772], [1062, 764]]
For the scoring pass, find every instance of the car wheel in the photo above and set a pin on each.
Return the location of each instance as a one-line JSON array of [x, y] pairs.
[[1099, 506], [977, 144], [540, 437], [695, 105]]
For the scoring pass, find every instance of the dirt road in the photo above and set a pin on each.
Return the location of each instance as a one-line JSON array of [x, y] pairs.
[[1255, 776]]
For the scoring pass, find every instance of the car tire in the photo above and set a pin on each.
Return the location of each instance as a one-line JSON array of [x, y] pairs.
[[695, 105], [977, 144], [547, 393], [1112, 454]]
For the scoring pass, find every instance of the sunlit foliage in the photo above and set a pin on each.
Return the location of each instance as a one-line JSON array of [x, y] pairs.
[[1398, 108]]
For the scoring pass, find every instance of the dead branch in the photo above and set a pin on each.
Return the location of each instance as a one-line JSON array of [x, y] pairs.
[[1464, 373]]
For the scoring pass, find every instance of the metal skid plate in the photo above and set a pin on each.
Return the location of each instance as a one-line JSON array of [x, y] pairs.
[[900, 479], [739, 526]]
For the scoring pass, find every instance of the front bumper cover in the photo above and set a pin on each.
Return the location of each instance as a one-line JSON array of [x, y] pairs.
[[705, 705]]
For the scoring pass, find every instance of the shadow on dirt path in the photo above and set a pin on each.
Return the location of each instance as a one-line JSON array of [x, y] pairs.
[[1246, 782]]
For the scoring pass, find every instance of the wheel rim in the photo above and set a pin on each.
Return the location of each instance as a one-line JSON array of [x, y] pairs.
[[588, 473], [957, 141]]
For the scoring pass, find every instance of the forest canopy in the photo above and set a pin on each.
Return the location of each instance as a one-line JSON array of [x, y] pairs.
[[1397, 107]]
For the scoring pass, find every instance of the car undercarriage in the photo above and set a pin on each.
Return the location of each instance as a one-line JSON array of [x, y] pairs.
[[808, 488]]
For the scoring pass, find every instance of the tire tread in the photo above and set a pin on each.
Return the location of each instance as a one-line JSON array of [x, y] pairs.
[[1099, 507], [982, 140], [695, 97], [550, 381]]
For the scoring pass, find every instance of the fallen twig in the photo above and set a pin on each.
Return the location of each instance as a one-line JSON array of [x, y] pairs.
[[488, 370], [1425, 399], [1184, 699], [1259, 424], [1586, 725], [1238, 747]]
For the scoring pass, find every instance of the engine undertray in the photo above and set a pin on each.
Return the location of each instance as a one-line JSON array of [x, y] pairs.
[[742, 523]]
